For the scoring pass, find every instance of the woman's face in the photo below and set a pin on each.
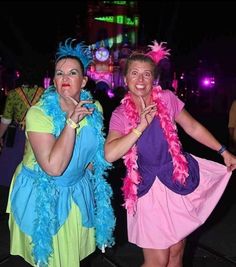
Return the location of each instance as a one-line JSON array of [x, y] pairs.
[[140, 78], [69, 78]]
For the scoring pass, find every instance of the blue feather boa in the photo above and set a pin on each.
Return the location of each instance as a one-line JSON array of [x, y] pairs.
[[46, 193]]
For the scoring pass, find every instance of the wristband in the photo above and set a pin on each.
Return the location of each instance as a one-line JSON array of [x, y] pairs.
[[71, 123], [222, 149], [137, 132]]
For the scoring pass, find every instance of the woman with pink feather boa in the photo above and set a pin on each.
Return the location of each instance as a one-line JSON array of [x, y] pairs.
[[168, 193]]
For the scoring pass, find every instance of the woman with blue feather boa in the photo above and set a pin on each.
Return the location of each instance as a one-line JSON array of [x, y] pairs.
[[60, 203]]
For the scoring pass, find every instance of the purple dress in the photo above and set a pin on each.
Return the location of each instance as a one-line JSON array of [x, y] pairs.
[[154, 160], [163, 217]]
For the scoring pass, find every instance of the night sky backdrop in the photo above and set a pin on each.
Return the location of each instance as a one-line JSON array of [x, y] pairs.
[[194, 30]]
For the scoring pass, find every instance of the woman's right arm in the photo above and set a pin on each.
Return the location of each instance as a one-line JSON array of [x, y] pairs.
[[117, 144], [52, 154]]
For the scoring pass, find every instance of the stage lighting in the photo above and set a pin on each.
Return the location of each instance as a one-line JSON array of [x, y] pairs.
[[208, 82]]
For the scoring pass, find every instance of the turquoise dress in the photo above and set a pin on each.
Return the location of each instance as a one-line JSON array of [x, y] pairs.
[[57, 221]]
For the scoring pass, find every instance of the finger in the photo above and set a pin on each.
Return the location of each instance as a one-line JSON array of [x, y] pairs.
[[84, 113], [79, 108], [151, 107], [87, 101], [142, 102], [82, 102], [73, 100]]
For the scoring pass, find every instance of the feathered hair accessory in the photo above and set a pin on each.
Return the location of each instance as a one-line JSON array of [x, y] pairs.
[[158, 51], [81, 51]]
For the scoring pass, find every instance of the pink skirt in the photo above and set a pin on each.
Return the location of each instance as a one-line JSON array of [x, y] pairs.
[[164, 218]]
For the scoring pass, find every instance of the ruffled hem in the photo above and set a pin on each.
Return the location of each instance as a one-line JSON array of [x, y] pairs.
[[161, 213]]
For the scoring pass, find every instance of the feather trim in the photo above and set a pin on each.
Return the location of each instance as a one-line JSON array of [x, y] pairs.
[[180, 164], [46, 198], [133, 178], [158, 51], [104, 215], [81, 51], [46, 219]]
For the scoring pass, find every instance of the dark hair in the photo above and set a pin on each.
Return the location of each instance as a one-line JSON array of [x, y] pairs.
[[137, 56], [73, 57]]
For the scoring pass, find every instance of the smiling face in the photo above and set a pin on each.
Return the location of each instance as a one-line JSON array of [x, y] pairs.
[[139, 78], [69, 78]]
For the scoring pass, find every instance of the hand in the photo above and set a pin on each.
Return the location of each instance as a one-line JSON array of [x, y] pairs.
[[1, 144], [78, 112], [147, 114], [229, 160]]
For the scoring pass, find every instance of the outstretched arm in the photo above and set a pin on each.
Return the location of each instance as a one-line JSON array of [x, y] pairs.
[[232, 125], [198, 132]]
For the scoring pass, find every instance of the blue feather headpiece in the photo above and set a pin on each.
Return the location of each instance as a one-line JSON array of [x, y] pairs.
[[81, 51]]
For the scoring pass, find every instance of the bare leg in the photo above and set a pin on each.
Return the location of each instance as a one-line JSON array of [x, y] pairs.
[[171, 257], [156, 257], [176, 254]]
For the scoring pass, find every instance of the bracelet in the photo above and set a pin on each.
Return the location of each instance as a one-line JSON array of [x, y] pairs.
[[222, 149], [71, 123], [137, 132]]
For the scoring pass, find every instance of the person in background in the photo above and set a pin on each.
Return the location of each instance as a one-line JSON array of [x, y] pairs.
[[12, 135], [59, 203], [232, 127], [168, 192]]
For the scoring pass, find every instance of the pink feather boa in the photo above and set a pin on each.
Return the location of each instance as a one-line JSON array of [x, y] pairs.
[[133, 178]]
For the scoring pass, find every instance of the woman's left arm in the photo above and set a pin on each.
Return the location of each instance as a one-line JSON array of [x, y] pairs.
[[198, 132]]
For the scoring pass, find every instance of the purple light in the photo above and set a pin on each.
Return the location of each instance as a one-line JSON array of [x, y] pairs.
[[46, 82], [110, 93], [208, 82], [17, 73]]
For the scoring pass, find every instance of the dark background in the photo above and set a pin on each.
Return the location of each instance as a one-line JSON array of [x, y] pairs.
[[194, 30]]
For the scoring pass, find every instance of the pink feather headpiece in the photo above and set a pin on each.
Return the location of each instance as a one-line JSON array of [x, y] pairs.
[[158, 51]]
